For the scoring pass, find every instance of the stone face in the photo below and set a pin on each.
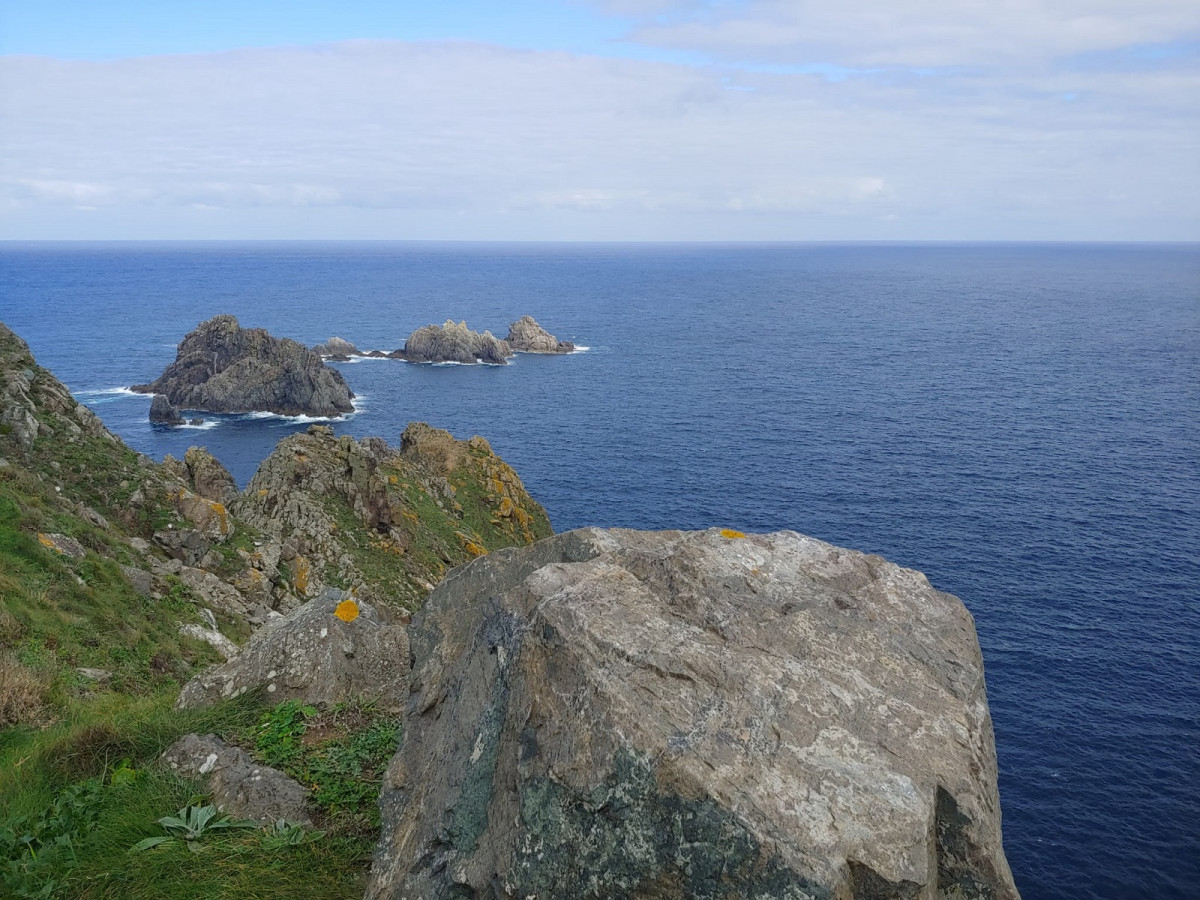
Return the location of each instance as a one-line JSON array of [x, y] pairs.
[[162, 412], [210, 479], [336, 348], [222, 367], [240, 787], [328, 650], [625, 714], [526, 336], [454, 342]]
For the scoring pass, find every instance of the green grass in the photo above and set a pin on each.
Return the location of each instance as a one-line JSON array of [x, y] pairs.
[[339, 754], [87, 789]]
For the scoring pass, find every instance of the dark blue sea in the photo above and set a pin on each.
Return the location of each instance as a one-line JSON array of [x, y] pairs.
[[1020, 422]]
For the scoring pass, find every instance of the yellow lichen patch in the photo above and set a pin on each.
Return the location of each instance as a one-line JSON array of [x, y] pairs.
[[222, 517], [46, 541], [392, 479], [506, 508], [300, 572], [347, 611], [262, 492], [412, 517], [730, 533]]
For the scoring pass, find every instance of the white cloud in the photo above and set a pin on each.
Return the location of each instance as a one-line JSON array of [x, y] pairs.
[[916, 33], [393, 139]]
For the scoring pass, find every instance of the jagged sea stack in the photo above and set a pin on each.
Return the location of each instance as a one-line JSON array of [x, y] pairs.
[[224, 368], [454, 342], [526, 336], [695, 715]]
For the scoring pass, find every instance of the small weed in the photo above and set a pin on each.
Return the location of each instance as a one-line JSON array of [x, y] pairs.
[[190, 825]]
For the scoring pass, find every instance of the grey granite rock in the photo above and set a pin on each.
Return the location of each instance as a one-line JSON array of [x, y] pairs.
[[618, 714], [526, 336], [222, 367], [336, 348], [240, 787], [454, 342], [163, 413], [316, 656]]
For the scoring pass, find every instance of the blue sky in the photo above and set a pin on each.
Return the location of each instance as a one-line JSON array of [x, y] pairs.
[[601, 120]]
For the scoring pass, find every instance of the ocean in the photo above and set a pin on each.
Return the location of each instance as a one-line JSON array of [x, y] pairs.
[[1019, 421]]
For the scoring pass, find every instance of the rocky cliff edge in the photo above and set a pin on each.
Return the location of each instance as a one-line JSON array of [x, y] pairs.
[[692, 715]]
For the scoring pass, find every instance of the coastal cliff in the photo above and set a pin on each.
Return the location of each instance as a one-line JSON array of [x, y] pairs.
[[602, 713]]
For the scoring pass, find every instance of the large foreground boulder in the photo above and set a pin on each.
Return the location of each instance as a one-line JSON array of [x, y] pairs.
[[526, 336], [454, 342], [618, 714], [222, 367]]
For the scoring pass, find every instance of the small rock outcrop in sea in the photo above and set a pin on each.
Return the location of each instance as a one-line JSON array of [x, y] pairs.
[[454, 342], [692, 715], [526, 336], [336, 348], [222, 367], [163, 413], [329, 650]]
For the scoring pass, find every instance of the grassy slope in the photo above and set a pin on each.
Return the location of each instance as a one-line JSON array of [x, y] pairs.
[[77, 782]]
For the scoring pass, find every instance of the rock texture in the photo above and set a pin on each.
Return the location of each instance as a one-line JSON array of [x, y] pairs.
[[454, 342], [163, 413], [526, 336], [329, 650], [207, 476], [336, 348], [385, 522], [616, 714], [222, 367], [239, 786]]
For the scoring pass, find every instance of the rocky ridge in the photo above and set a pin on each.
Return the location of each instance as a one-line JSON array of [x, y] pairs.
[[383, 521], [224, 368]]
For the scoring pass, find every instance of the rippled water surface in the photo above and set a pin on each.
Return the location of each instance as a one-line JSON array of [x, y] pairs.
[[1021, 422]]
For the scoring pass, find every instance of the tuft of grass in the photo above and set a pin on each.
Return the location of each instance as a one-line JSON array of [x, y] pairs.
[[22, 692], [339, 753]]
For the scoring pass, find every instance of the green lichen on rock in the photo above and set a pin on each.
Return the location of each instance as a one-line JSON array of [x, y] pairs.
[[627, 838]]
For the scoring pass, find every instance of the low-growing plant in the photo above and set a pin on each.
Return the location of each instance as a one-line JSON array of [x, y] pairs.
[[189, 826]]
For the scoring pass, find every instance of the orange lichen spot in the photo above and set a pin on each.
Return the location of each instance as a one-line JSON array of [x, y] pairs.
[[392, 479], [730, 533], [46, 541], [476, 550], [347, 611], [506, 508], [262, 492]]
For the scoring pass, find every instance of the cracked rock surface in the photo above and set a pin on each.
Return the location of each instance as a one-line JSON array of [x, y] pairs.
[[613, 714]]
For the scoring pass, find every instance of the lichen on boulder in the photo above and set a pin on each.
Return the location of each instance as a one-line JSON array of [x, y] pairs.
[[626, 714], [319, 653]]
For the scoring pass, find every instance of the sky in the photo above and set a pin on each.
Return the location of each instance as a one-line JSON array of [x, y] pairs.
[[601, 120]]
